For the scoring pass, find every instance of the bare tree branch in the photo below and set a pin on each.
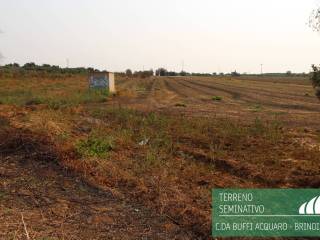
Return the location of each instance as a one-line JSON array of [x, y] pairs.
[[314, 20], [1, 56]]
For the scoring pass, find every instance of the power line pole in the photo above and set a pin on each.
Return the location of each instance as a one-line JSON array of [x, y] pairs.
[[261, 69]]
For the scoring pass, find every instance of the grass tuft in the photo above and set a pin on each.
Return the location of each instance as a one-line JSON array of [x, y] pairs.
[[180, 105], [217, 98]]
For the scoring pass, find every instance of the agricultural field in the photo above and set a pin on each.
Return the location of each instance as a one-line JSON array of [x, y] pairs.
[[140, 164], [289, 99]]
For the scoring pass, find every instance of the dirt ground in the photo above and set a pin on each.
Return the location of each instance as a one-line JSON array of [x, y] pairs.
[[41, 200], [250, 132]]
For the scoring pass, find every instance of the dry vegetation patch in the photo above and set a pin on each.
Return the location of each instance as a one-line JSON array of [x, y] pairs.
[[169, 162]]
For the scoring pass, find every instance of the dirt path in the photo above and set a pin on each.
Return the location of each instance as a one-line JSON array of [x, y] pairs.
[[56, 204]]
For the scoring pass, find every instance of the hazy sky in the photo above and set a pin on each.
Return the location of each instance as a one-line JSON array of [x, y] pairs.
[[208, 35]]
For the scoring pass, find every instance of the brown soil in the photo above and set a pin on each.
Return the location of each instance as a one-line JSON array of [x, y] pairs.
[[45, 201]]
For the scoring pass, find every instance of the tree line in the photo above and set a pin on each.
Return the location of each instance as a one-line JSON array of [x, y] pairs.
[[34, 70], [16, 70]]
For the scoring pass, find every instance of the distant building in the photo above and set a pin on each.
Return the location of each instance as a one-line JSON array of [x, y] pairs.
[[100, 80]]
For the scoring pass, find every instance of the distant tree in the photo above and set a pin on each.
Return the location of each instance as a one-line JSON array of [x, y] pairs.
[[235, 74], [161, 72], [172, 74], [183, 73], [128, 73], [147, 74], [288, 73], [90, 69], [46, 65], [30, 66], [12, 65], [143, 74]]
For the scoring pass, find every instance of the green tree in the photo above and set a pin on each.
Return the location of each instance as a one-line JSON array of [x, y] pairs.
[[128, 73], [315, 78], [30, 66], [161, 72], [314, 23]]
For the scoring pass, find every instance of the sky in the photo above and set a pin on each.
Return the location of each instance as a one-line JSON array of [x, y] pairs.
[[201, 35]]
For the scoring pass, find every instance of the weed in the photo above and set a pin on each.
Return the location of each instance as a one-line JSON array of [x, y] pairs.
[[34, 101], [269, 130], [57, 104], [258, 127], [17, 97], [151, 158], [2, 195], [94, 146], [180, 105], [217, 98], [91, 96], [257, 108]]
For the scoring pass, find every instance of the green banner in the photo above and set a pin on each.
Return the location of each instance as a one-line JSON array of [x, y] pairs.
[[266, 213]]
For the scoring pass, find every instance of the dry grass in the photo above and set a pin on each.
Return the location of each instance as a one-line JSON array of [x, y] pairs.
[[168, 161]]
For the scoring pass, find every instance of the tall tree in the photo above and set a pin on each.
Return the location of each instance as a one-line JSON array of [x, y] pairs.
[[314, 23]]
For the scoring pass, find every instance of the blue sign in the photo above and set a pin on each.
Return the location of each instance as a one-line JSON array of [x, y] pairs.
[[99, 82]]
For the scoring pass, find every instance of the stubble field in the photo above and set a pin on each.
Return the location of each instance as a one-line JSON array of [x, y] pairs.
[[163, 143]]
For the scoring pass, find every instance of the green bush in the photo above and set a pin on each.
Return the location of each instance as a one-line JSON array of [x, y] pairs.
[[216, 98], [95, 146]]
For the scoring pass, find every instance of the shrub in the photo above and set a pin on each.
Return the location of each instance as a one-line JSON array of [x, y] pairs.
[[216, 98], [94, 146]]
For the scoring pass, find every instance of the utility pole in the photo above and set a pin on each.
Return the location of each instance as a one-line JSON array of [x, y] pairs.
[[261, 69]]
